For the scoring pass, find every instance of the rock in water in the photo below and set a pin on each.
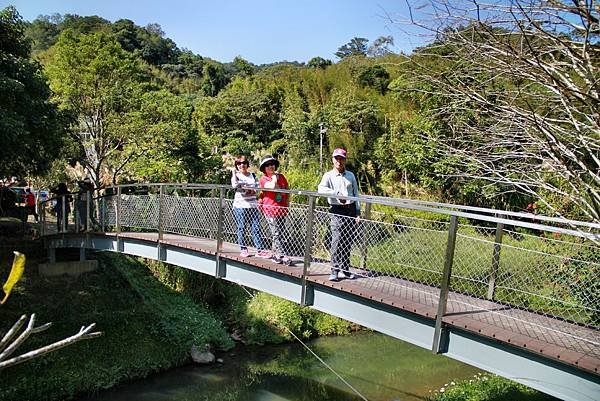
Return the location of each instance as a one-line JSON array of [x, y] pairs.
[[205, 357]]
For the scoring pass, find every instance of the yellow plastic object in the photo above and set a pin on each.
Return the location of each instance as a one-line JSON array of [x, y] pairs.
[[18, 267]]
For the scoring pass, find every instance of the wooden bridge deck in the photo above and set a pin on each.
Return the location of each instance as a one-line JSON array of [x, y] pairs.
[[563, 341]]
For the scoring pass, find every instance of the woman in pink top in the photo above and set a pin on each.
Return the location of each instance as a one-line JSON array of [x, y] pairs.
[[274, 205]]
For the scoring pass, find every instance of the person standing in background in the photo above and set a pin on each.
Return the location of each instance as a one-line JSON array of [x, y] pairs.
[[31, 204], [62, 195], [84, 195]]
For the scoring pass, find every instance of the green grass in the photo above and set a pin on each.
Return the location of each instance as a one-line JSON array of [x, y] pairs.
[[260, 318], [488, 387], [147, 327]]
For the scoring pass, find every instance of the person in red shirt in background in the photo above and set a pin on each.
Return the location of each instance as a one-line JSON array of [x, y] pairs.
[[274, 205], [30, 203]]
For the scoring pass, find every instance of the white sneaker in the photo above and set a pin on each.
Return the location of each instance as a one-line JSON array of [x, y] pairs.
[[346, 275], [263, 253]]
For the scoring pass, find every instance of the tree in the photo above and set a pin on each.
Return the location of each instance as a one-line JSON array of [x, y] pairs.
[[352, 123], [100, 83], [298, 132], [84, 25], [242, 67], [244, 116], [127, 34], [518, 86], [43, 32], [356, 47], [214, 78], [380, 46], [155, 48], [31, 130], [158, 127], [375, 77], [319, 62]]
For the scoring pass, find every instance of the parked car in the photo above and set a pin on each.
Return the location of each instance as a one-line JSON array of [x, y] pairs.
[[42, 195], [20, 191]]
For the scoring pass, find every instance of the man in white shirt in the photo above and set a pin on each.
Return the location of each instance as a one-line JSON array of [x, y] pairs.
[[345, 214]]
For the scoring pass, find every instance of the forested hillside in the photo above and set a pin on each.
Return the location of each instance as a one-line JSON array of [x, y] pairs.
[[494, 113]]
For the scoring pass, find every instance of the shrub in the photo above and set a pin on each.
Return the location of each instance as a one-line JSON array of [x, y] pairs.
[[487, 387]]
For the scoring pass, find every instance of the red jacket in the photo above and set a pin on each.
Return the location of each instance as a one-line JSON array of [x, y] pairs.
[[273, 204], [30, 199]]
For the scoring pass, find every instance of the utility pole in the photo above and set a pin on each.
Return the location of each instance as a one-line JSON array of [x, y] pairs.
[[322, 132]]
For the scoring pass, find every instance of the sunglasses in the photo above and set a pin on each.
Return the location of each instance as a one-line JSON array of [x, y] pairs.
[[240, 163], [270, 164]]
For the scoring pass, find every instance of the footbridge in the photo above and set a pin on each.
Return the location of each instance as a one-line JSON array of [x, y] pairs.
[[512, 293]]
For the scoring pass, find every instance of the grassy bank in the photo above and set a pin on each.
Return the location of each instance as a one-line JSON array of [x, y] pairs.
[[488, 387], [258, 318], [147, 327]]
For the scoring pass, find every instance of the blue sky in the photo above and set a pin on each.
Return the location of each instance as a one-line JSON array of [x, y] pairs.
[[261, 31]]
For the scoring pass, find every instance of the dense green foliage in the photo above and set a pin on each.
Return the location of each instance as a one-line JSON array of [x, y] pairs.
[[146, 326], [198, 106], [269, 319], [31, 128], [148, 110], [258, 318]]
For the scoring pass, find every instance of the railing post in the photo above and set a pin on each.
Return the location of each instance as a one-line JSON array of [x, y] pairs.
[[118, 212], [160, 213], [76, 213], [88, 209], [213, 230], [445, 286], [42, 210], [102, 211], [219, 272], [63, 223], [305, 297], [363, 242], [495, 261]]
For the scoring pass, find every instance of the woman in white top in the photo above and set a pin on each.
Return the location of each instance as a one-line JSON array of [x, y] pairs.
[[245, 207]]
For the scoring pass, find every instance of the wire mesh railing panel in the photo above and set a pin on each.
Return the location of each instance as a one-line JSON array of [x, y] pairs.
[[107, 212], [472, 265], [551, 278], [402, 251], [138, 211], [252, 227], [296, 231], [557, 285], [396, 259], [190, 216], [50, 222]]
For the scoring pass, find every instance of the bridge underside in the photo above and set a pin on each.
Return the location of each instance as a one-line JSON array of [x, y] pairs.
[[414, 325]]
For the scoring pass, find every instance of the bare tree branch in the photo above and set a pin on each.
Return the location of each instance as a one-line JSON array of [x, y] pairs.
[[517, 85], [7, 348]]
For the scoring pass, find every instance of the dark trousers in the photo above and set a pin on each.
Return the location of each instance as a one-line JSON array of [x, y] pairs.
[[59, 215], [343, 225], [31, 210]]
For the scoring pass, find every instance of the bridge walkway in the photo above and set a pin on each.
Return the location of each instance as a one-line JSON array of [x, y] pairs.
[[503, 323]]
